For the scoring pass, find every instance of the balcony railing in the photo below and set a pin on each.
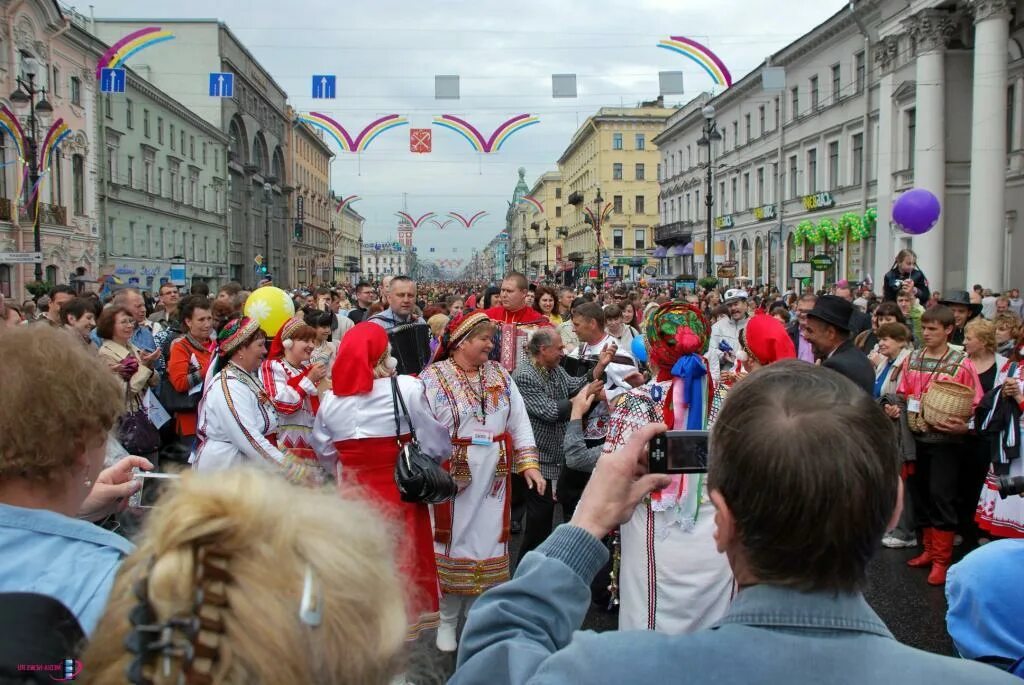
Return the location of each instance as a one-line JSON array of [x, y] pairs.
[[54, 215], [675, 232]]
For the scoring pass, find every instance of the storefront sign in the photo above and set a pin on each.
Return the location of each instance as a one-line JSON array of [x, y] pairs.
[[818, 201], [800, 270], [822, 262], [725, 221], [764, 212], [728, 269], [651, 270]]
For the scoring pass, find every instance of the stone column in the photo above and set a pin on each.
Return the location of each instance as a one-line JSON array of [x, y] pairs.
[[931, 29], [986, 236], [885, 53]]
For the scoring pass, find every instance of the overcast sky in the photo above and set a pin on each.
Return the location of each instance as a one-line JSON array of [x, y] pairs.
[[386, 53]]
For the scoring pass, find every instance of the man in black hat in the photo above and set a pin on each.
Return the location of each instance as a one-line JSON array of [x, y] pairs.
[[963, 311], [827, 328]]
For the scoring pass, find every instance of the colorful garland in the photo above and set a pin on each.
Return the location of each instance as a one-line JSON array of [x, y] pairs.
[[831, 230], [854, 225], [870, 220], [806, 230]]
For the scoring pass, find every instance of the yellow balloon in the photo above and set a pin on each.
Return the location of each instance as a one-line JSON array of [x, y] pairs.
[[271, 307]]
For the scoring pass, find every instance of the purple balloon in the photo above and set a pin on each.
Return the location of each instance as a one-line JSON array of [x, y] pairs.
[[916, 211]]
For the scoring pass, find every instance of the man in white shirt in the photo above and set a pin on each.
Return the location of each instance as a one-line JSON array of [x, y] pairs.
[[728, 331]]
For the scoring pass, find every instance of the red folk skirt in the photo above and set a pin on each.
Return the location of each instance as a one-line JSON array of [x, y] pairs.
[[369, 464]]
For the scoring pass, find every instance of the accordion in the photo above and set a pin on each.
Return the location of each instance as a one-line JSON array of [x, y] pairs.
[[410, 345], [577, 367]]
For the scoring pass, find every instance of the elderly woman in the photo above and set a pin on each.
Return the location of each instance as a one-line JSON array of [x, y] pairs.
[[48, 485], [354, 436], [252, 581], [484, 414], [236, 415]]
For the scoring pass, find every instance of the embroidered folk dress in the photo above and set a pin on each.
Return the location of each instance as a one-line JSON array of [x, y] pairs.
[[296, 400], [1004, 517], [354, 437], [235, 416], [471, 532], [672, 579]]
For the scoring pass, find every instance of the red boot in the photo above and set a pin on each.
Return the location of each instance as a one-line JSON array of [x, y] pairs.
[[942, 555], [926, 557]]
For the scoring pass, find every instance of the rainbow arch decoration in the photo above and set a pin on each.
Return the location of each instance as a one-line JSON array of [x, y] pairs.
[[497, 138], [345, 202], [10, 124], [345, 141], [416, 222], [120, 51], [440, 225], [59, 130], [530, 200], [702, 55], [468, 223], [605, 213]]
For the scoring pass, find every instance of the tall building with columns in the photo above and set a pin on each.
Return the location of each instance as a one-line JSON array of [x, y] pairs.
[[882, 97]]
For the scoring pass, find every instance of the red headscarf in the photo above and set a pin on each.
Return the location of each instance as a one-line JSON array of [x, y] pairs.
[[766, 340], [277, 346], [360, 350]]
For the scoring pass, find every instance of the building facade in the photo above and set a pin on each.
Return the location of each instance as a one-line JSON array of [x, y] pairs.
[[545, 233], [38, 37], [310, 209], [873, 102], [385, 259], [517, 223], [613, 156], [255, 120], [346, 241], [164, 184]]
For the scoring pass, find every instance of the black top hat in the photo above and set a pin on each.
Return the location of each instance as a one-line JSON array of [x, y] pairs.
[[963, 298], [833, 310]]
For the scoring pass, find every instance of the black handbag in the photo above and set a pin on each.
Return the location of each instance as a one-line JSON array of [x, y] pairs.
[[174, 401], [135, 431], [418, 477]]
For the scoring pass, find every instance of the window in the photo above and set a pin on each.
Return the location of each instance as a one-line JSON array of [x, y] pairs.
[[51, 274], [812, 171], [617, 238], [639, 172], [78, 184], [836, 83], [814, 93], [911, 119], [792, 177], [55, 83], [145, 123], [147, 179], [858, 159], [760, 186], [616, 141], [174, 184], [794, 101], [1011, 111], [733, 186], [107, 109], [775, 180], [640, 141], [131, 171], [861, 71], [746, 191], [192, 147], [746, 125], [129, 117], [735, 134], [640, 236], [558, 193], [5, 280], [761, 127], [640, 208], [725, 141], [181, 148], [617, 204], [76, 91], [160, 181], [160, 130], [558, 212], [833, 164], [778, 113], [721, 197], [617, 171], [204, 154], [172, 137]]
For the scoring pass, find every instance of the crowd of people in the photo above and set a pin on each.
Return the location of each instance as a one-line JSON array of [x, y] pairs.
[[839, 421]]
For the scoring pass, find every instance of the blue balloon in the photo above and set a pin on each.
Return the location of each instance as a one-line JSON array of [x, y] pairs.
[[639, 349]]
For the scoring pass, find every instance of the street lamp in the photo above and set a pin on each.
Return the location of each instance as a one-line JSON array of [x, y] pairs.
[[25, 94], [593, 219], [268, 201], [710, 133], [546, 242]]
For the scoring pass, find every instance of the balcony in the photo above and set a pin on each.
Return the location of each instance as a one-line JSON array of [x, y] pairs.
[[904, 179], [674, 233], [54, 215]]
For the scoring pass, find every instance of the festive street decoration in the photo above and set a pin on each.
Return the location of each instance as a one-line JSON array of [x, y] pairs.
[[530, 200], [468, 223], [871, 219], [420, 140], [440, 225], [59, 130], [831, 230], [9, 124], [853, 224], [807, 231], [476, 139], [270, 307], [604, 213], [916, 211], [120, 51], [702, 55], [345, 141], [416, 222], [345, 202]]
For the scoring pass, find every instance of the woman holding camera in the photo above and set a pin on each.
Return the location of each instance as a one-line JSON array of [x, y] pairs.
[[904, 276]]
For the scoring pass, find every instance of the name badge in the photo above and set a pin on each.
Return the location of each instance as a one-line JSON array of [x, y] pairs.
[[481, 438], [914, 405]]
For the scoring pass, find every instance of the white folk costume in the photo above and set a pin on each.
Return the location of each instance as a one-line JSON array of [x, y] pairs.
[[355, 437], [235, 417], [491, 437], [1004, 517], [671, 577], [294, 395]]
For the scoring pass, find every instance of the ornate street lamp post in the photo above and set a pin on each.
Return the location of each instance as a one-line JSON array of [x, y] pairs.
[[710, 133]]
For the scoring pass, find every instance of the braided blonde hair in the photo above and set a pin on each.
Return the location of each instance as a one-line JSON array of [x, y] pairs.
[[264, 534]]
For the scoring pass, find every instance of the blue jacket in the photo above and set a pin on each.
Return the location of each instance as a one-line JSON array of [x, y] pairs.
[[51, 554], [523, 632]]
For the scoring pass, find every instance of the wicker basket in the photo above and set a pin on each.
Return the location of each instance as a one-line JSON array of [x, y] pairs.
[[947, 400]]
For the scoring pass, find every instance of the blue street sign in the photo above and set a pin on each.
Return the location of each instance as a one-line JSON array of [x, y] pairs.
[[112, 81], [324, 86], [222, 85]]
